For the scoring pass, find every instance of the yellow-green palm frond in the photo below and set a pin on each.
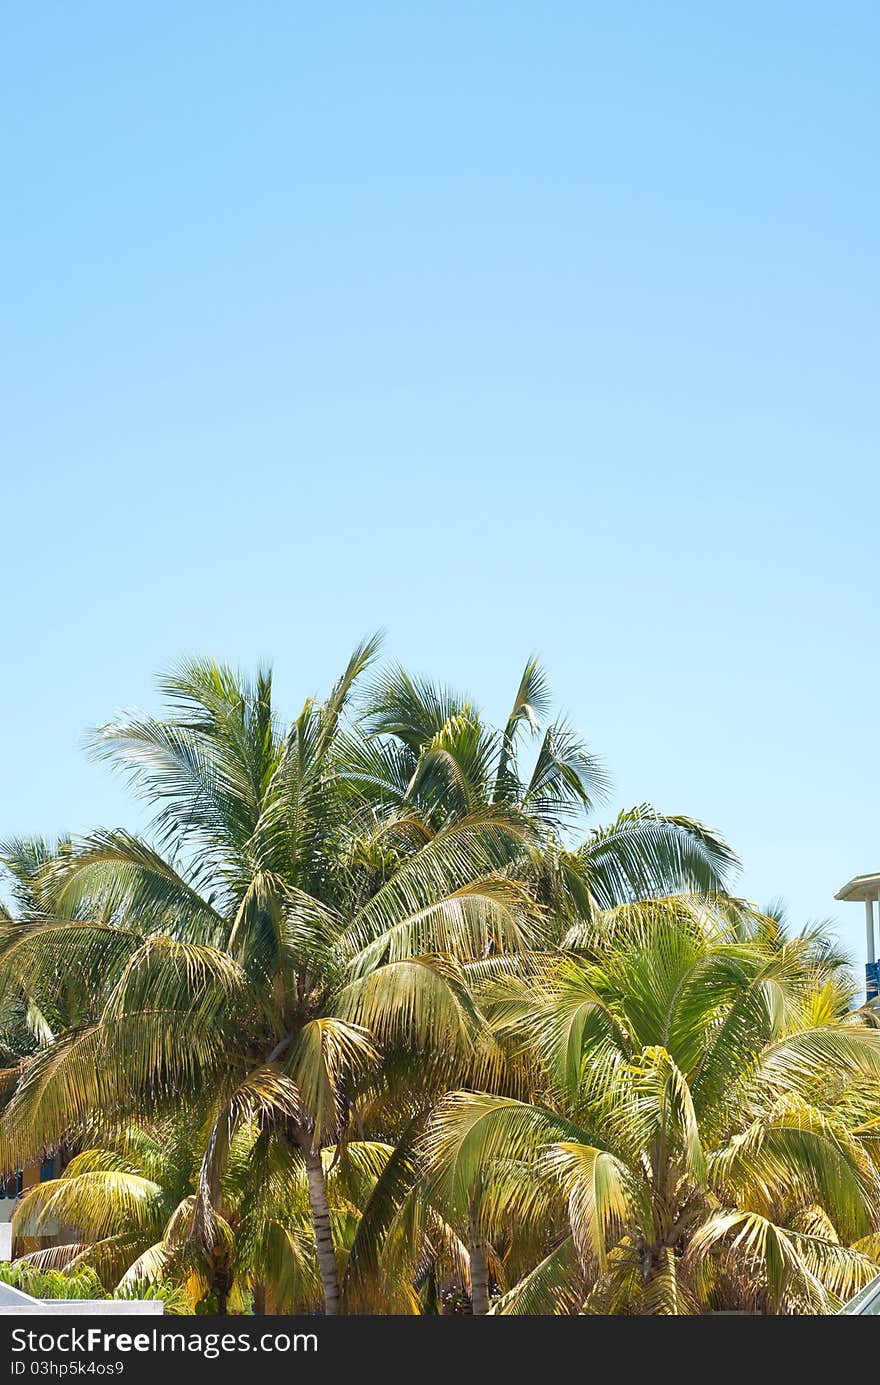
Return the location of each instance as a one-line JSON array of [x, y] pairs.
[[666, 1292], [564, 1019], [567, 779], [100, 1203], [377, 1262], [114, 875], [155, 1264], [56, 1090], [600, 1192], [485, 915], [40, 958], [868, 1245], [450, 897], [815, 1221], [204, 983], [419, 1001], [281, 1256], [620, 1291], [207, 767], [63, 1256], [799, 1154], [798, 1272], [456, 765], [361, 658], [327, 1058], [662, 1106], [795, 1062], [554, 1286], [469, 1131], [353, 1170], [644, 853]]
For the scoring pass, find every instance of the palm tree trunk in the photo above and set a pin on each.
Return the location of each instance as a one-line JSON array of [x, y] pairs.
[[323, 1231], [221, 1279], [478, 1254]]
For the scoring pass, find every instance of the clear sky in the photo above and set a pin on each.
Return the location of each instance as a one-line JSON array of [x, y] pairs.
[[506, 327]]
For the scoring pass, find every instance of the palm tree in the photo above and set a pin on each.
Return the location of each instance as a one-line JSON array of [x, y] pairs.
[[131, 1195], [430, 754], [123, 1197], [257, 949], [705, 1134]]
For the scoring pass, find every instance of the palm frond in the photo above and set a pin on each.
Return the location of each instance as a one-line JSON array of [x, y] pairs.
[[555, 1286], [328, 1057], [644, 853]]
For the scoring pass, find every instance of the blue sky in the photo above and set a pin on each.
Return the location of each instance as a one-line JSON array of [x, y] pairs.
[[505, 327]]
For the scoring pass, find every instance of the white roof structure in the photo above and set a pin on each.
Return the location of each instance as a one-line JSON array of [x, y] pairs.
[[860, 887], [13, 1303], [866, 888]]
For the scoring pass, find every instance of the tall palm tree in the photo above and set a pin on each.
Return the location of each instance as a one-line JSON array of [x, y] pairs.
[[706, 1130], [256, 946]]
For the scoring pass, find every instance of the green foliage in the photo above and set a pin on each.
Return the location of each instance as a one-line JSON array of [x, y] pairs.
[[78, 1283], [371, 1016]]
